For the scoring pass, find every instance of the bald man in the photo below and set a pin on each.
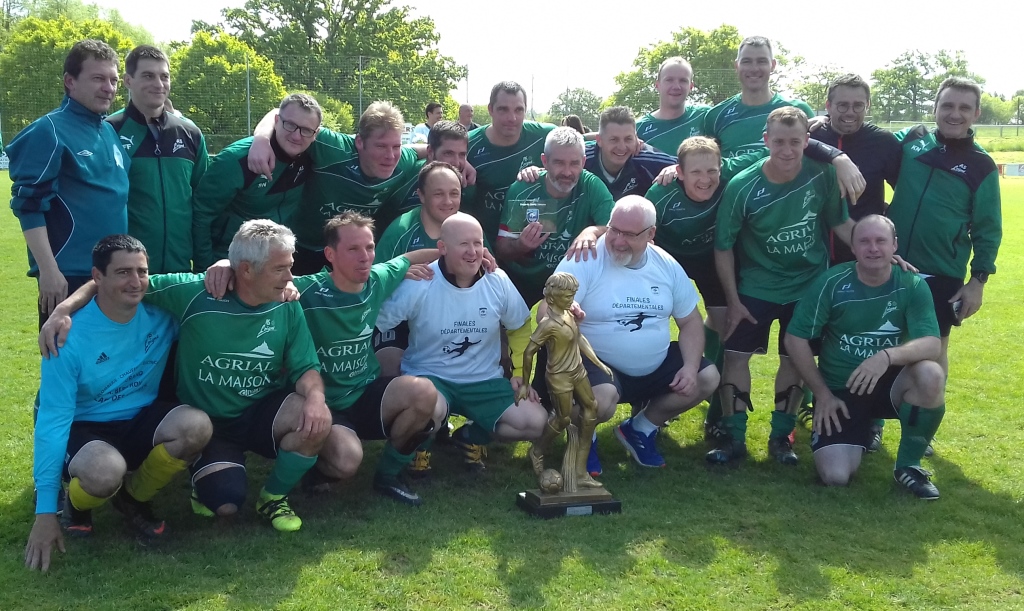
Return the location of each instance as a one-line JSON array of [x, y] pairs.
[[466, 117], [455, 321]]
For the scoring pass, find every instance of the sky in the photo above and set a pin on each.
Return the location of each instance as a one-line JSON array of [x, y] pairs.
[[550, 45]]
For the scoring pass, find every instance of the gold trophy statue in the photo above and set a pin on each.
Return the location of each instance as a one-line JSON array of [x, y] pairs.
[[573, 491]]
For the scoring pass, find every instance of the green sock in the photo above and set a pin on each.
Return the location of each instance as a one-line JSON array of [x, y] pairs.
[[714, 353], [808, 399], [736, 424], [392, 462], [917, 436], [782, 424], [288, 470]]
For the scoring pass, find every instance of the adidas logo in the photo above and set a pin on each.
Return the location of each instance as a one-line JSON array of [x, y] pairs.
[[103, 358]]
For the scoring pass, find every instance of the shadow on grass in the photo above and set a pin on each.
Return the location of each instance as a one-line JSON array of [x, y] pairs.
[[687, 521]]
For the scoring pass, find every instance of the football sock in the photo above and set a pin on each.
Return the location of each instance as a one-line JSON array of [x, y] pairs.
[[392, 462], [782, 423], [641, 424], [737, 426], [919, 425], [155, 472], [288, 470], [82, 500]]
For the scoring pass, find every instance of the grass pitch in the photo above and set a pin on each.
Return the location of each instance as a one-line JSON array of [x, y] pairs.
[[759, 536]]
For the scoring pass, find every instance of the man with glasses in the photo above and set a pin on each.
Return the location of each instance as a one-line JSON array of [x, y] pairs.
[[230, 193], [629, 291]]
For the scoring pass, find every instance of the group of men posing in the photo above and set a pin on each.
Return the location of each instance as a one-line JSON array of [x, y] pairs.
[[287, 365]]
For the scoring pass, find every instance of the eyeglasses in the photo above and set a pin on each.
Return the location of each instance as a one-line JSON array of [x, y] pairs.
[[845, 106], [291, 127], [629, 235]]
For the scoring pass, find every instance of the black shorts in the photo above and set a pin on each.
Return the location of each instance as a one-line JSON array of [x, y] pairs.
[[749, 338], [74, 283], [943, 288], [365, 417], [864, 410], [705, 275], [638, 389], [133, 439], [253, 431], [306, 262], [392, 338]]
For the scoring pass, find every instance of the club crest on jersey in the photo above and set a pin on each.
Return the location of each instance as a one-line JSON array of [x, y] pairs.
[[629, 186], [267, 327], [889, 307], [483, 312], [655, 290], [366, 313], [532, 215], [150, 340], [808, 198], [526, 162], [178, 145]]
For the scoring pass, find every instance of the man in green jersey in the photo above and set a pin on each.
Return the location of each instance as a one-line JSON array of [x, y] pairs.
[[499, 150], [370, 173], [879, 346], [540, 219], [169, 158], [447, 141], [769, 217], [947, 205], [440, 190], [739, 122], [341, 307], [239, 359], [674, 121], [230, 193]]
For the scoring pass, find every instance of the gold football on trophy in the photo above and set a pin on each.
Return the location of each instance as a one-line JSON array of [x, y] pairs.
[[550, 481]]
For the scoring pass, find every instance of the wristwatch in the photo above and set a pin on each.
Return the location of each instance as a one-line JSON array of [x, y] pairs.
[[981, 277]]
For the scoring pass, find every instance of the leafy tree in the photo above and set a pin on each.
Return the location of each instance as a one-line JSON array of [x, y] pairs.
[[338, 116], [210, 78], [27, 93], [905, 89], [995, 110], [813, 87], [582, 102], [1018, 107], [480, 114], [710, 53], [327, 45]]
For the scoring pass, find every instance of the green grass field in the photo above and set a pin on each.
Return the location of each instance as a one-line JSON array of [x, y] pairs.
[[758, 536]]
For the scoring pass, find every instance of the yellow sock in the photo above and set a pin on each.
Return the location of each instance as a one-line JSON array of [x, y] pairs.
[[82, 500], [155, 472]]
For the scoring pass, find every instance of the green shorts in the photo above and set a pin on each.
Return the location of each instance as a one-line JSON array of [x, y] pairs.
[[482, 402]]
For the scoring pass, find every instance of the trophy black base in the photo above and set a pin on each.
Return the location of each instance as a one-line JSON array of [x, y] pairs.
[[580, 503]]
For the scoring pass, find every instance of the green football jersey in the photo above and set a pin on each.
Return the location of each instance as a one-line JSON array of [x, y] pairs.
[[667, 135], [779, 244], [405, 234], [740, 128], [337, 184], [589, 203], [231, 355], [686, 229], [497, 168], [342, 328], [854, 320]]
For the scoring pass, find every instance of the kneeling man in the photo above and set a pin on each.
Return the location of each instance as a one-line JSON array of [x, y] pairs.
[[629, 292], [455, 322], [879, 359], [98, 411]]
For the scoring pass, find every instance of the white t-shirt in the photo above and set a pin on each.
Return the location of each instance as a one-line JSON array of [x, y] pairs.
[[454, 333], [628, 310]]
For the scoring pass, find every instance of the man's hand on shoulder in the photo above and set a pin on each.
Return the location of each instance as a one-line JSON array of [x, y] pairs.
[[529, 174], [219, 279], [54, 333]]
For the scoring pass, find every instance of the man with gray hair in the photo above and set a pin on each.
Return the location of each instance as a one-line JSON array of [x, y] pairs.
[[629, 291], [248, 361], [541, 218], [230, 193]]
